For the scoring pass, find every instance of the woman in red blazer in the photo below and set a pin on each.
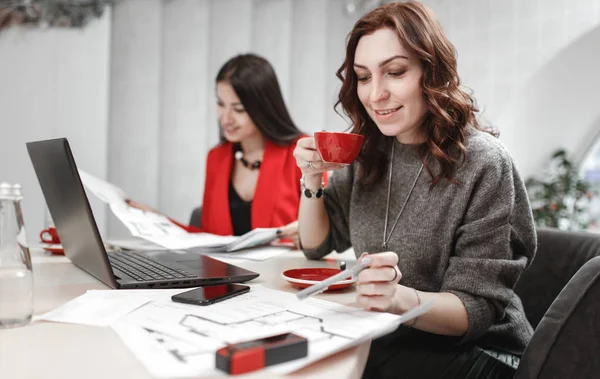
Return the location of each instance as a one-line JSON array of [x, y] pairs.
[[260, 198], [252, 179]]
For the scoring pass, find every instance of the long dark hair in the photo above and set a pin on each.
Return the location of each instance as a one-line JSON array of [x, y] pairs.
[[451, 111], [255, 83]]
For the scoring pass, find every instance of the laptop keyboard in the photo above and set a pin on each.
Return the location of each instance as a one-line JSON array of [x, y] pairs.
[[142, 268]]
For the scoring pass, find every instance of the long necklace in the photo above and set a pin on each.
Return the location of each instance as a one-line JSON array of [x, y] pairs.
[[386, 237], [239, 155]]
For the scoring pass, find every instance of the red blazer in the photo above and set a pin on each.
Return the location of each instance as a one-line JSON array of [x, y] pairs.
[[277, 196]]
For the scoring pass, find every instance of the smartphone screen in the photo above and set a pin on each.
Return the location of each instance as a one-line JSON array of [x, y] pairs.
[[210, 294]]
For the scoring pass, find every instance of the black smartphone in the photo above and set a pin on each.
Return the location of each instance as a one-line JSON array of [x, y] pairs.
[[210, 294]]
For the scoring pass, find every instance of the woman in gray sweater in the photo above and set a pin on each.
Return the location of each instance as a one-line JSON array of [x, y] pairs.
[[435, 202]]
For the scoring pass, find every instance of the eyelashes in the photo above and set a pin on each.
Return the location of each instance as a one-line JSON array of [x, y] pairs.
[[393, 74], [237, 110], [396, 74]]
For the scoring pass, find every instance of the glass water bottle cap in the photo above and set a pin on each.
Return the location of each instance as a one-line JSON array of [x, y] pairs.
[[16, 190], [5, 189]]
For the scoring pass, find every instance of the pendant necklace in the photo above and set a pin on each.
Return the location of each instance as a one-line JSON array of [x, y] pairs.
[[239, 155], [386, 237]]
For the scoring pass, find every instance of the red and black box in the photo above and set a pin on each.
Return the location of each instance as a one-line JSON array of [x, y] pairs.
[[239, 358]]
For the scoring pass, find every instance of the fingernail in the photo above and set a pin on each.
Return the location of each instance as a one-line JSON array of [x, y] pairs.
[[366, 261]]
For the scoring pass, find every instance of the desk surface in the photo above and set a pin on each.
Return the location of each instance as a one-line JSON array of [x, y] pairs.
[[54, 350]]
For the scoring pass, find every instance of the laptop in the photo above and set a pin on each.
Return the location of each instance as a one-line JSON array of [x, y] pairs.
[[69, 207]]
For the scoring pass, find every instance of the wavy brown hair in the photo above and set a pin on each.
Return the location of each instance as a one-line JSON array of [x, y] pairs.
[[451, 111]]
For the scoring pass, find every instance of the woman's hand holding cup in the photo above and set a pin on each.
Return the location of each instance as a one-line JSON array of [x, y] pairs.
[[309, 161]]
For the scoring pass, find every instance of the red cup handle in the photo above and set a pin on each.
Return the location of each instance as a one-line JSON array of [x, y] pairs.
[[45, 232]]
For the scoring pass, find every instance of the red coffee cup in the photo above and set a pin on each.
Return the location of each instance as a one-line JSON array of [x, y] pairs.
[[49, 235], [338, 147]]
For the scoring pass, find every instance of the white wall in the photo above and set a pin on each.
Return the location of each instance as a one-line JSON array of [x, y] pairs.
[[135, 101], [186, 88], [309, 99], [559, 107], [533, 67], [53, 83], [502, 43]]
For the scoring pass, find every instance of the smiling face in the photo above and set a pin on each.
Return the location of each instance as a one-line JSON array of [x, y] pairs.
[[233, 118], [389, 85]]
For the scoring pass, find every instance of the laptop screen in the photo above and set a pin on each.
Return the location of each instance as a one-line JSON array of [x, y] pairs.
[[65, 196]]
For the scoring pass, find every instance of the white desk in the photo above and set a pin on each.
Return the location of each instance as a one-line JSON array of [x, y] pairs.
[[53, 350]]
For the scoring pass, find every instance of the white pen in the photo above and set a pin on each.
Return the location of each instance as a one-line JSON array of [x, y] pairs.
[[322, 285]]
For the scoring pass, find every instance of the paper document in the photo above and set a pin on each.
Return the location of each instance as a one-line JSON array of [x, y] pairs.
[[158, 352], [159, 230], [255, 237], [103, 307], [95, 308], [105, 191], [150, 226], [174, 340], [255, 254]]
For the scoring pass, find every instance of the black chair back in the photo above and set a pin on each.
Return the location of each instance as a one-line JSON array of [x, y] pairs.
[[559, 255], [196, 217]]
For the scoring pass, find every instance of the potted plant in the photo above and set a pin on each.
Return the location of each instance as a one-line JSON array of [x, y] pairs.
[[560, 198], [50, 13]]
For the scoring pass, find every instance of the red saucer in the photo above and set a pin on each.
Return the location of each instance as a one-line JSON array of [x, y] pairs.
[[306, 277], [54, 248]]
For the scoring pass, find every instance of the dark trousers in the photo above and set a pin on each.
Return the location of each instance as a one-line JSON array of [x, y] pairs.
[[411, 354]]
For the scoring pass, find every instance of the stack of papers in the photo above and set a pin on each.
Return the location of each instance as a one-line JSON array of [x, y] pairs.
[[256, 237], [261, 253], [159, 230], [175, 340]]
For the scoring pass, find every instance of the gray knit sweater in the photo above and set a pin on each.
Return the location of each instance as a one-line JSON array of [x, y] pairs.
[[473, 240]]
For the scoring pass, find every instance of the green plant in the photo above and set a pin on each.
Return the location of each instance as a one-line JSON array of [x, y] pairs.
[[560, 198], [52, 13]]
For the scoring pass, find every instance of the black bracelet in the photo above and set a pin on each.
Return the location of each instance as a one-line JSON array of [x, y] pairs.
[[310, 193]]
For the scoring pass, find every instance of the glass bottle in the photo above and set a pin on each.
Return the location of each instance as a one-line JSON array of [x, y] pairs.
[[16, 275]]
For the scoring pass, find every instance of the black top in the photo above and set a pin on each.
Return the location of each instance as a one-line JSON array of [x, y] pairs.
[[240, 212]]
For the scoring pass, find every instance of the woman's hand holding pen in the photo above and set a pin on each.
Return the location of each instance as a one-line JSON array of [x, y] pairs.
[[309, 161], [377, 285]]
